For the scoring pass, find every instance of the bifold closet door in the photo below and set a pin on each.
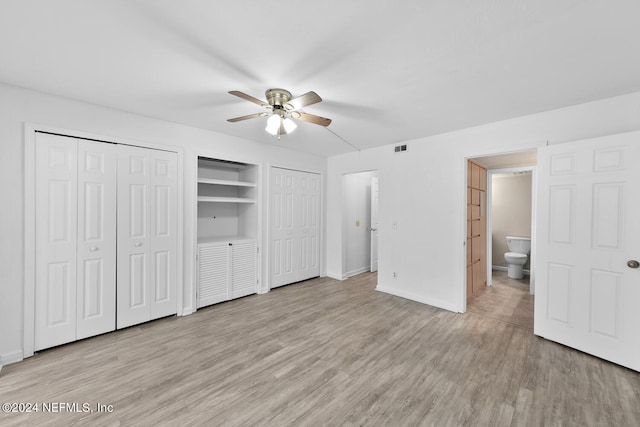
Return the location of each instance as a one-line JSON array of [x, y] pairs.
[[147, 212], [308, 225], [96, 290], [75, 239], [295, 226]]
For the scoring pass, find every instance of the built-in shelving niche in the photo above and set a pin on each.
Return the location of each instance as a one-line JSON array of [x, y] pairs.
[[227, 200]]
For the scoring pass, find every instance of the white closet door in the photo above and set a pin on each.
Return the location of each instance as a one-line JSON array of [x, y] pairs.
[[308, 227], [282, 227], [133, 299], [56, 207], [163, 240], [96, 250], [243, 269], [295, 226]]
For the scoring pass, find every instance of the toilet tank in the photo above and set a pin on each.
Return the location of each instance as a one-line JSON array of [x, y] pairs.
[[521, 245]]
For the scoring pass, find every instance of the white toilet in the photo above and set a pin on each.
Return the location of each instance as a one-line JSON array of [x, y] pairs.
[[519, 248]]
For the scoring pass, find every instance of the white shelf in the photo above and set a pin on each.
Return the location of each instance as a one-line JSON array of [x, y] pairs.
[[226, 182], [225, 200], [225, 239]]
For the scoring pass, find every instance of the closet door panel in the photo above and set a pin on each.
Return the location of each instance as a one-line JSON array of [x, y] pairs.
[[163, 240], [133, 302], [282, 227], [295, 212], [96, 284], [313, 231], [56, 240]]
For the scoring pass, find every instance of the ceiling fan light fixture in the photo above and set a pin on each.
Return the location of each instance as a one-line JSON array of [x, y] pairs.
[[273, 124], [289, 125]]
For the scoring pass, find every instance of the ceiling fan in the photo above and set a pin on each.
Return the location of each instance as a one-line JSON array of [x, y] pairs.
[[282, 108]]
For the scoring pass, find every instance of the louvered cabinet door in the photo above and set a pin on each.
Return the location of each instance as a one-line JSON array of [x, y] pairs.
[[213, 273], [243, 269]]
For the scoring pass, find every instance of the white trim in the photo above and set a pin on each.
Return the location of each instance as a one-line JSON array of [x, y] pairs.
[[30, 130], [418, 298], [358, 271], [336, 276], [9, 358]]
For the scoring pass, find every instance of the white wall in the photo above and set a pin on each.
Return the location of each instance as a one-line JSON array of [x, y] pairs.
[[357, 220], [422, 192], [18, 106]]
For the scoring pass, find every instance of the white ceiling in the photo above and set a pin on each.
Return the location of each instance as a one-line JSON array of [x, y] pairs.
[[509, 160], [388, 71]]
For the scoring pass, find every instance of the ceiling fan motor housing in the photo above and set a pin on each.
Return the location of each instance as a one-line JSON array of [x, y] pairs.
[[277, 97]]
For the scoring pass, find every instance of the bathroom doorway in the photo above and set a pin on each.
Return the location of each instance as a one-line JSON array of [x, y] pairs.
[[510, 210]]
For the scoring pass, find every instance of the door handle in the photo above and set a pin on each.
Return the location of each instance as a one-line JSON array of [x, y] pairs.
[[93, 249], [373, 229], [633, 263], [137, 245]]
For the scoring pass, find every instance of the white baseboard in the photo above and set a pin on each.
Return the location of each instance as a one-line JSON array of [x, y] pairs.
[[358, 271], [9, 358], [336, 276], [418, 298]]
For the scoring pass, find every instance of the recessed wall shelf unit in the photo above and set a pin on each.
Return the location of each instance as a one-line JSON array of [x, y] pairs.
[[227, 230]]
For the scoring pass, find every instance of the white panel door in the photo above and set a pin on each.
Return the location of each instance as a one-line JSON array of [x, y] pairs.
[[282, 227], [588, 229], [96, 251], [307, 217], [374, 224], [243, 268], [56, 208], [295, 226], [133, 276], [163, 231]]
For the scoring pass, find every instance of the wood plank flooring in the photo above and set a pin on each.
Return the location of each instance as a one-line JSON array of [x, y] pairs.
[[325, 352]]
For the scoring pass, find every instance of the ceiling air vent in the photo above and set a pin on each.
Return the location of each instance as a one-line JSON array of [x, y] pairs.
[[399, 148]]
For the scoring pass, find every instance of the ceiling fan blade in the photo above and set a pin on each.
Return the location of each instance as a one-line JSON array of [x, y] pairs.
[[302, 101], [249, 116], [311, 118], [249, 98]]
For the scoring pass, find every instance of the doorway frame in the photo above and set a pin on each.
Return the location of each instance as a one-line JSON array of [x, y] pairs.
[[344, 221], [466, 156]]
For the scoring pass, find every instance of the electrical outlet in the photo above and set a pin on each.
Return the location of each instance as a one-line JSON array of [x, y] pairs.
[[395, 275]]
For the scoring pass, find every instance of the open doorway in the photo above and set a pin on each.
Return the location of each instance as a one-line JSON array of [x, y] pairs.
[[510, 228], [360, 228]]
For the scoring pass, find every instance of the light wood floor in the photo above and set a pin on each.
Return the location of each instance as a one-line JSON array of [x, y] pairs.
[[325, 352]]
